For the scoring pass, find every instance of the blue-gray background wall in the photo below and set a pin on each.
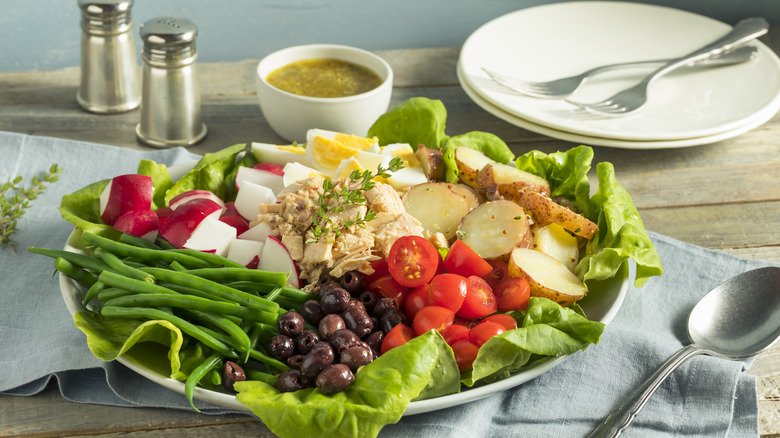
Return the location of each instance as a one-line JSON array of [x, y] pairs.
[[44, 34]]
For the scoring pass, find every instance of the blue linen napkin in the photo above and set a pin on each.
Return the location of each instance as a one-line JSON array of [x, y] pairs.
[[704, 398]]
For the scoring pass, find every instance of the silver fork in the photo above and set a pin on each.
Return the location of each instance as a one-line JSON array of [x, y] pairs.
[[634, 98], [565, 87]]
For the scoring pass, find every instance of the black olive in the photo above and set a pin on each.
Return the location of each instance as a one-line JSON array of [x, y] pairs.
[[335, 378], [335, 300], [295, 361], [383, 305], [319, 358], [356, 319], [232, 373], [374, 340], [356, 357], [291, 324], [369, 300], [329, 286], [389, 320], [291, 380], [343, 339], [281, 347], [306, 341], [312, 312], [353, 282], [329, 324]]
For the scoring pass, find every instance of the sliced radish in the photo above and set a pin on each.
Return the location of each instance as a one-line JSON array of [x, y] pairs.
[[276, 258], [230, 209], [211, 235], [250, 197], [267, 178], [125, 193], [139, 223], [259, 232], [163, 213], [270, 167], [186, 218], [236, 222], [246, 252], [189, 195]]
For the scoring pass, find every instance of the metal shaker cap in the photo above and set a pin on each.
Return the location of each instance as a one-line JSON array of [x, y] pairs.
[[169, 41], [106, 16]]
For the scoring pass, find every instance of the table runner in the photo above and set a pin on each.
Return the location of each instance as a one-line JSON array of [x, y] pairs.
[[705, 397]]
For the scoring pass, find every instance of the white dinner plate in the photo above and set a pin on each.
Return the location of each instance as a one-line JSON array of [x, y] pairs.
[[556, 40], [752, 123], [601, 304]]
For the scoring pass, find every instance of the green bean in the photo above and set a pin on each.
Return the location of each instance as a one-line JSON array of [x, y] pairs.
[[253, 374], [225, 275], [213, 259], [75, 258], [176, 266], [93, 292], [120, 267], [215, 377], [137, 241], [183, 325], [162, 243], [193, 303], [269, 361], [251, 286], [274, 294], [149, 255], [261, 334], [211, 363], [212, 287], [240, 338], [133, 285], [110, 293], [297, 295], [75, 272]]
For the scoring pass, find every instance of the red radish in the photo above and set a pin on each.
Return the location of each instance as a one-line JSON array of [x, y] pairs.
[[246, 252], [186, 218], [259, 232], [189, 195], [271, 167], [212, 235], [236, 222], [230, 209], [250, 197], [265, 178], [139, 223], [163, 213], [124, 193], [275, 257]]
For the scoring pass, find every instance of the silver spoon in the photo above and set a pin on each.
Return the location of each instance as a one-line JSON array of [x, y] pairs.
[[736, 320]]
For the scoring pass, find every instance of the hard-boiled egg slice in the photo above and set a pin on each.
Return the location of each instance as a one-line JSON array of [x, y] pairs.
[[296, 171], [372, 160], [326, 149], [403, 151], [280, 154], [347, 166], [408, 176]]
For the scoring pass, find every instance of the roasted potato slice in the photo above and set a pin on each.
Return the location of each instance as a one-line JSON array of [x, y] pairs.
[[546, 211], [470, 162], [468, 193], [555, 241], [507, 180], [431, 161], [546, 276], [496, 228], [438, 208]]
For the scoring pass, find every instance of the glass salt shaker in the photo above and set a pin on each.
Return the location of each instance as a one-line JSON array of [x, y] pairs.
[[109, 67], [170, 108]]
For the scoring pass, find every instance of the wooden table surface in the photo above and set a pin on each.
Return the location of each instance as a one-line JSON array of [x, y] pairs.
[[724, 196]]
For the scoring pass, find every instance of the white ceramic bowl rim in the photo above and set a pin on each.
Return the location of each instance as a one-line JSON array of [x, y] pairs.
[[285, 56]]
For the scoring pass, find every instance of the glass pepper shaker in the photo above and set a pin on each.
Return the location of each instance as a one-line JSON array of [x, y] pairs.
[[109, 66], [170, 108]]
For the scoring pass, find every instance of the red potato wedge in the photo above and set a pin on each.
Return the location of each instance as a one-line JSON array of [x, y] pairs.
[[470, 162], [546, 276], [438, 208], [507, 180], [546, 211], [494, 229], [555, 241], [431, 161]]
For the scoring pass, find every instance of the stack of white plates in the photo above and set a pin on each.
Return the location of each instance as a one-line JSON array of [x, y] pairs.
[[691, 106]]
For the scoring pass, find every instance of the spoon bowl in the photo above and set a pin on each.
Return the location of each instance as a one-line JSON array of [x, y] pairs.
[[737, 320]]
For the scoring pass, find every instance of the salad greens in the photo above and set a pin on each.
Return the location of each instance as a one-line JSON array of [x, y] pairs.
[[425, 367]]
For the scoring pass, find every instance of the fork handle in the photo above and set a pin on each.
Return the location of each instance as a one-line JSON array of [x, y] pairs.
[[744, 31]]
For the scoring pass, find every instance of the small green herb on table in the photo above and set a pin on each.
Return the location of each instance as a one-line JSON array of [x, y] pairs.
[[15, 200]]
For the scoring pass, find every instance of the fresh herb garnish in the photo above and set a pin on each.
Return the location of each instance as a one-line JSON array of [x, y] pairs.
[[13, 207], [334, 199]]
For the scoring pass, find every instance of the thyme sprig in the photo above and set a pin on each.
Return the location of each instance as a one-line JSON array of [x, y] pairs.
[[335, 199], [13, 206]]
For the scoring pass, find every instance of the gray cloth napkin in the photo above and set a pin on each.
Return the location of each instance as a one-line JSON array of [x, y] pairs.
[[706, 397]]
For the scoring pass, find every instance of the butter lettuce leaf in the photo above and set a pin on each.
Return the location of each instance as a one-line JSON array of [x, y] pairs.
[[416, 121], [82, 209], [161, 180], [209, 173]]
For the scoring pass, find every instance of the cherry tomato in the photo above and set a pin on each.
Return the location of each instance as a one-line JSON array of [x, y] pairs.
[[432, 317], [513, 294], [498, 274], [468, 323], [448, 290], [455, 333], [507, 321], [413, 261], [479, 301], [480, 333], [387, 287], [380, 270], [465, 353], [416, 300], [463, 260], [397, 336]]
